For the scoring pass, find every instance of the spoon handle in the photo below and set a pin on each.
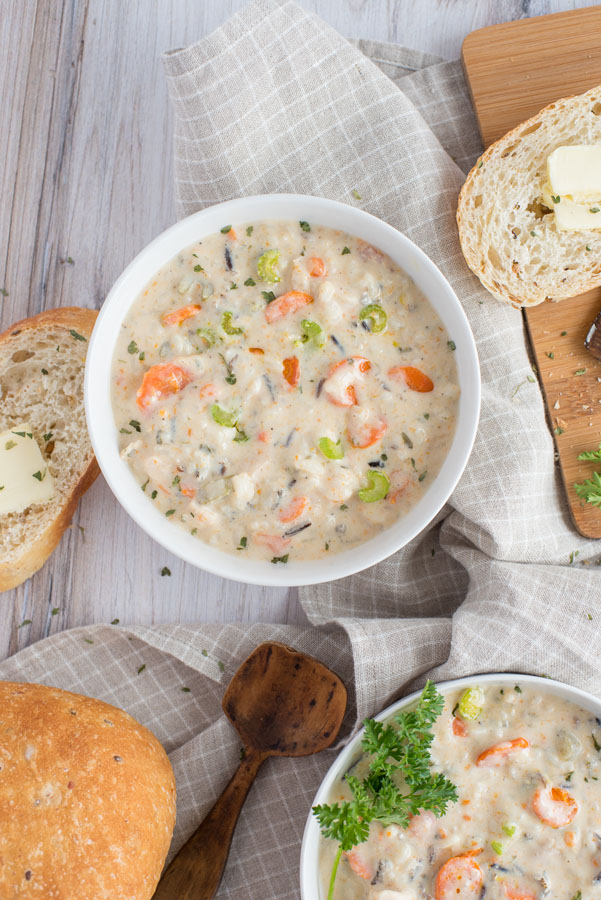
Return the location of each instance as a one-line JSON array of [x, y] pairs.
[[195, 872]]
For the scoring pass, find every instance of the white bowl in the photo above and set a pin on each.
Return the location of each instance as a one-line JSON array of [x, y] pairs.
[[125, 291], [309, 860]]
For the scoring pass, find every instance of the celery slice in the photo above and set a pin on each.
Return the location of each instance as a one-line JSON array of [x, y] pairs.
[[266, 266], [378, 485], [331, 449]]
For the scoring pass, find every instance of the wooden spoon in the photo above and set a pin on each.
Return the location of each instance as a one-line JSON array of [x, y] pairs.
[[282, 703]]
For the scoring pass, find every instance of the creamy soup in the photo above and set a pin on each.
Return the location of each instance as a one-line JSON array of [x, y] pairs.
[[527, 823], [283, 390]]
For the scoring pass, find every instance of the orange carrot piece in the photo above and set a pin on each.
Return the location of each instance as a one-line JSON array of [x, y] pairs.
[[415, 379], [177, 316], [291, 369], [287, 303], [160, 381], [294, 509], [459, 727], [317, 267], [256, 350]]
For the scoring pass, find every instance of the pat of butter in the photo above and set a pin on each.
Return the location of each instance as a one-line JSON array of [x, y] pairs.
[[573, 190], [576, 171], [24, 475]]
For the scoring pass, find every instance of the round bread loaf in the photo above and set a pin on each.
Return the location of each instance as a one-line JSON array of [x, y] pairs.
[[87, 799]]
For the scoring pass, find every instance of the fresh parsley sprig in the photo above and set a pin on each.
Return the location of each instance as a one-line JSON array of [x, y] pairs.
[[590, 489], [591, 455], [399, 782]]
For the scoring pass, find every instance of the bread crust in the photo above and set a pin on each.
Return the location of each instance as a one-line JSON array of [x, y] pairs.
[[87, 798], [33, 558], [529, 294]]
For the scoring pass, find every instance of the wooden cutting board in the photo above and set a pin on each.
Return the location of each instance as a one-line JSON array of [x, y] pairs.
[[513, 70]]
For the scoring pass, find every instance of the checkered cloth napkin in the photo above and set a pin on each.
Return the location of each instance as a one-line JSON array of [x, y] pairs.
[[275, 100]]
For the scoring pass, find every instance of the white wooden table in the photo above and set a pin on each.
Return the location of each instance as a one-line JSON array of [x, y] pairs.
[[85, 144]]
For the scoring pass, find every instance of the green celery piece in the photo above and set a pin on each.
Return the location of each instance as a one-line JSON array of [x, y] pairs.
[[227, 418], [208, 335], [376, 315], [312, 332], [226, 324], [471, 703], [331, 449], [378, 485], [266, 266]]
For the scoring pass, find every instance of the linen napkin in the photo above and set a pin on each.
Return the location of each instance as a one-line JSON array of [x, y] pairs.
[[275, 100]]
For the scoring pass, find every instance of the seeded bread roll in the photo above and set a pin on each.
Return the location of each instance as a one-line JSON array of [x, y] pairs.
[[508, 236], [42, 363], [87, 799]]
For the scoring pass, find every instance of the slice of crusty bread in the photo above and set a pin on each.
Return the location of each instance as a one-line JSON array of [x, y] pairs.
[[508, 237], [41, 382], [87, 798]]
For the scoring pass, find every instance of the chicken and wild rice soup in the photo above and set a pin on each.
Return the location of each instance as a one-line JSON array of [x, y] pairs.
[[526, 824], [284, 390]]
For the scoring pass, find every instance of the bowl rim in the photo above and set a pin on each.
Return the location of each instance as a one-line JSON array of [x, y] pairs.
[[103, 431], [310, 887]]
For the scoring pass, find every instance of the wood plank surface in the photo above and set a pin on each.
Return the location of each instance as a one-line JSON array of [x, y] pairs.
[[514, 70], [85, 141]]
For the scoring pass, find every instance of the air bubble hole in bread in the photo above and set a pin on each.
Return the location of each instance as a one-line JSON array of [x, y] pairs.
[[508, 235]]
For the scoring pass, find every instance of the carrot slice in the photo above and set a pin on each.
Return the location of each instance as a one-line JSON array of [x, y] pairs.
[[275, 543], [498, 753], [554, 806], [459, 879], [291, 369], [177, 316], [256, 350], [459, 727], [415, 379], [317, 267], [160, 381], [287, 303], [294, 509]]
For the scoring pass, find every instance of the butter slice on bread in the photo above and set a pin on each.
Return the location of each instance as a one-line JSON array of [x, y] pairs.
[[42, 363], [508, 234], [87, 798]]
